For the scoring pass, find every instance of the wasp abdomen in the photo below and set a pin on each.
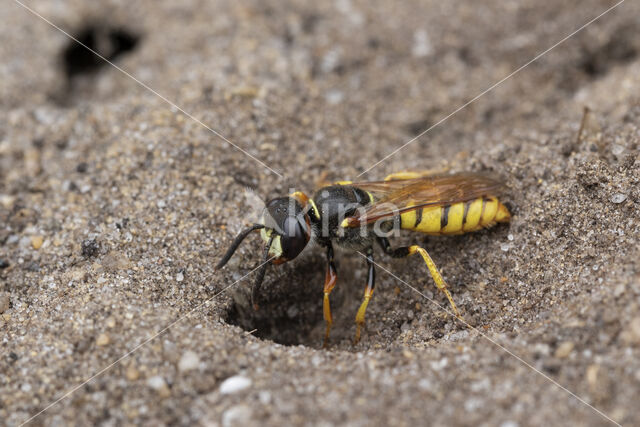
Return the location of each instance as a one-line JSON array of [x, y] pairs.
[[456, 218]]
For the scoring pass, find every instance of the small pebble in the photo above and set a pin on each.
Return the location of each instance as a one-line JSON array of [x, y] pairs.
[[592, 375], [245, 91], [36, 242], [103, 339], [110, 322], [425, 384], [264, 397], [180, 276], [156, 382], [292, 311], [421, 44], [619, 290], [7, 201], [4, 302], [234, 384], [3, 264], [132, 373], [631, 334], [564, 349], [188, 361], [618, 198], [239, 415], [334, 97]]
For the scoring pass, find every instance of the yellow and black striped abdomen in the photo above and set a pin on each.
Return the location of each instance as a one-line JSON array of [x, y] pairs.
[[457, 218]]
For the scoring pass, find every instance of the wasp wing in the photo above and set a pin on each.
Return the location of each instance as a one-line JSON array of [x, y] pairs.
[[395, 197]]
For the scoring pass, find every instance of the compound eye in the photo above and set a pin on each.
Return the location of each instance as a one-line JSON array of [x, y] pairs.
[[294, 238]]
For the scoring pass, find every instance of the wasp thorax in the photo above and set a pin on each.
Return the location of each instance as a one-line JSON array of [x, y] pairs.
[[285, 220]]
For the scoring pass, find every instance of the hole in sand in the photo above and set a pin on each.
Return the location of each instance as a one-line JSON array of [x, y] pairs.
[[80, 65], [290, 301], [110, 42], [290, 304]]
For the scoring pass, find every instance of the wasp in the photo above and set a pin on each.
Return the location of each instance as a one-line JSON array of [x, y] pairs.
[[355, 215]]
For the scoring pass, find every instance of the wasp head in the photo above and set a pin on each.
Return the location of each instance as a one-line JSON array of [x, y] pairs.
[[287, 226], [286, 229]]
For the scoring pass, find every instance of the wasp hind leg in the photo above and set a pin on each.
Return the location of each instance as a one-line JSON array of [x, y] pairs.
[[368, 292], [410, 250], [330, 280]]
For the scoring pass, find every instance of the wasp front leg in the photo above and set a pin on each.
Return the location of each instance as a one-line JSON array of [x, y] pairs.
[[368, 292], [435, 274], [329, 283]]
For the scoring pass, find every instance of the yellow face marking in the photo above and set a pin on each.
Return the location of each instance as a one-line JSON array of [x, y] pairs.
[[265, 234], [276, 247]]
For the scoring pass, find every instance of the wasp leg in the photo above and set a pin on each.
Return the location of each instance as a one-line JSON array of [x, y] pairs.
[[329, 283], [368, 292], [414, 174], [410, 250]]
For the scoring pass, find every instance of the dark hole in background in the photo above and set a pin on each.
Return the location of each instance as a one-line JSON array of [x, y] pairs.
[[617, 51], [597, 60], [110, 42]]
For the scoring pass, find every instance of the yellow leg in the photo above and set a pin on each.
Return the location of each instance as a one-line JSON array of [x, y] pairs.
[[368, 293], [329, 283], [413, 174], [437, 277], [360, 316]]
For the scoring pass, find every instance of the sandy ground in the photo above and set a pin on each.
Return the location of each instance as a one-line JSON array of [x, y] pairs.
[[114, 208]]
